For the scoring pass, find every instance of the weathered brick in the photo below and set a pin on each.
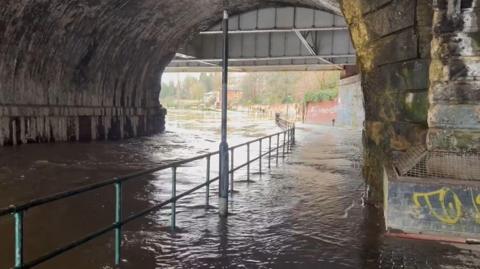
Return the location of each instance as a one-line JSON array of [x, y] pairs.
[[456, 140], [399, 14], [455, 92], [404, 44], [402, 76], [368, 6], [453, 116]]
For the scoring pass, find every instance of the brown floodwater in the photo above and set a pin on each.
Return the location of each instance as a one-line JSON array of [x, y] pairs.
[[306, 213]]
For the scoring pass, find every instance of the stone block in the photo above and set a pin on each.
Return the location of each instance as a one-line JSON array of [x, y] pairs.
[[459, 92], [456, 140], [368, 6], [404, 44], [454, 116], [402, 76], [457, 45], [398, 15]]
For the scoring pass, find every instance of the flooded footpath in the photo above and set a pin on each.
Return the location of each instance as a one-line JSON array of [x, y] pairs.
[[306, 213]]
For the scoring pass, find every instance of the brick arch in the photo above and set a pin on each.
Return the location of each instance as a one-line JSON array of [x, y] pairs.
[[89, 69]]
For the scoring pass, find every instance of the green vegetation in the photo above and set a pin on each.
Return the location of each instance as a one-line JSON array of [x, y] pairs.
[[262, 88], [190, 91], [323, 95], [289, 87]]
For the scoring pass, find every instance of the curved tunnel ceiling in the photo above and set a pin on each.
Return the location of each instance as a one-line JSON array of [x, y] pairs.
[[88, 52]]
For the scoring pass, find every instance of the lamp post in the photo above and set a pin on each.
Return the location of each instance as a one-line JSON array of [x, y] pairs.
[[223, 155]]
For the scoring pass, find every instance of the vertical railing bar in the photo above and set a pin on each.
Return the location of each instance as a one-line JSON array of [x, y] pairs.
[[278, 147], [18, 239], [248, 162], [174, 193], [118, 219], [288, 138], [292, 137], [232, 164], [207, 195], [260, 156], [293, 132], [269, 152], [291, 141], [283, 145]]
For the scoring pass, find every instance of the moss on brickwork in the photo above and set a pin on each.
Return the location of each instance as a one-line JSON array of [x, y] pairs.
[[416, 107], [394, 77]]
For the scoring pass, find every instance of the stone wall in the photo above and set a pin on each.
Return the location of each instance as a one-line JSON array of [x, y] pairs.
[[392, 39], [454, 115], [38, 124], [350, 109]]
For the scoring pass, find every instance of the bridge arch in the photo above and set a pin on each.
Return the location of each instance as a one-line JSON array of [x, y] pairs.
[[89, 69]]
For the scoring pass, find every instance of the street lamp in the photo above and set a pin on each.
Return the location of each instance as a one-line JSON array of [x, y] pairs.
[[223, 155]]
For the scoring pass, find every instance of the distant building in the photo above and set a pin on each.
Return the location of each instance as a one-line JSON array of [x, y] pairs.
[[210, 98], [233, 97]]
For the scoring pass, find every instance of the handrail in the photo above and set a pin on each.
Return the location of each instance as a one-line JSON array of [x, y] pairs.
[[282, 123], [18, 211], [48, 199]]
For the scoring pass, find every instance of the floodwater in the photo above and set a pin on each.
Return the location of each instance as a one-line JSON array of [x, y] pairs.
[[306, 213]]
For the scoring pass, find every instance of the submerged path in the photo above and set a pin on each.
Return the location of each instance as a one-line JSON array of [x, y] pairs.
[[306, 213]]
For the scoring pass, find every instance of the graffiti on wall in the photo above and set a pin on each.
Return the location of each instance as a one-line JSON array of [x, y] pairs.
[[423, 207], [450, 208]]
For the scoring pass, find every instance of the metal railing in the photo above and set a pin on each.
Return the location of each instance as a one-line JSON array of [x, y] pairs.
[[284, 144]]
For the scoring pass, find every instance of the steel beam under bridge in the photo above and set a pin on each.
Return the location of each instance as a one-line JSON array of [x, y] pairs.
[[272, 39]]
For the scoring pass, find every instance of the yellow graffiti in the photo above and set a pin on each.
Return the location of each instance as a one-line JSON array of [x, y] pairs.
[[476, 203], [450, 212]]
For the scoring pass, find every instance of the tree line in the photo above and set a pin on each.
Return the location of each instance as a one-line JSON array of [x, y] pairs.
[[259, 87]]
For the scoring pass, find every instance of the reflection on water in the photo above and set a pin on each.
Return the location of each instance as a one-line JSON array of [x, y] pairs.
[[306, 213]]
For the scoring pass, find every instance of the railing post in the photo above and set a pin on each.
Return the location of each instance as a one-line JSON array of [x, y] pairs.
[[207, 195], [292, 138], [232, 165], [269, 152], [260, 156], [278, 147], [293, 132], [288, 137], [174, 193], [18, 239], [248, 162], [283, 145], [118, 219]]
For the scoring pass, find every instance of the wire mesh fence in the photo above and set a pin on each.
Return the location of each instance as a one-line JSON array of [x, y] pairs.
[[422, 163]]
